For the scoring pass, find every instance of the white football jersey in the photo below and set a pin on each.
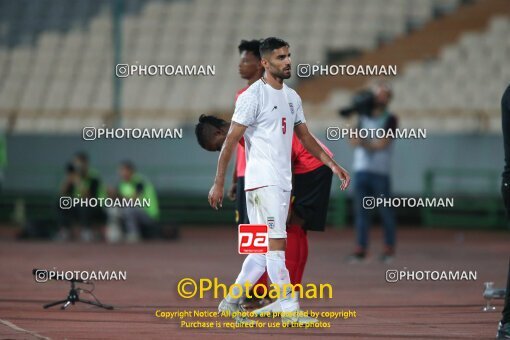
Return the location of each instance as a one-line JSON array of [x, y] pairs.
[[270, 116]]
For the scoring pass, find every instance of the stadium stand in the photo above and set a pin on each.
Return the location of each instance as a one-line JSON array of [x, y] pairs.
[[442, 86], [483, 54], [56, 57]]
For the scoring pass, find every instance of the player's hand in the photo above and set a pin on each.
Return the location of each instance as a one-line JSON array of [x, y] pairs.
[[232, 192], [216, 196], [343, 175]]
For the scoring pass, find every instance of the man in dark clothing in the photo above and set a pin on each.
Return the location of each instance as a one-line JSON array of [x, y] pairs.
[[504, 325], [372, 167], [83, 182]]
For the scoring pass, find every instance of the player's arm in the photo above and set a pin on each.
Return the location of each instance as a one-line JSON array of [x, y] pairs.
[[234, 134], [233, 188], [311, 145]]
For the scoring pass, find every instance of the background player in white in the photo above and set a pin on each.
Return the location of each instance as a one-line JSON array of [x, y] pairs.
[[265, 114]]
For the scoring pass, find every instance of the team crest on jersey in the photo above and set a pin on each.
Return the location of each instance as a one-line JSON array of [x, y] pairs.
[[270, 222], [291, 106]]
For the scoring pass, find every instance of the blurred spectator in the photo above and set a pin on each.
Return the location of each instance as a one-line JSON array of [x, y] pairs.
[[3, 158], [138, 221], [372, 162], [67, 217], [83, 182]]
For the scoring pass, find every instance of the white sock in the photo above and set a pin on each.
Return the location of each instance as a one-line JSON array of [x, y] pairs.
[[253, 267], [279, 274]]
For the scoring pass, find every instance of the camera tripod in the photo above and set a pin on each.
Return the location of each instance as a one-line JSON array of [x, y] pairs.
[[74, 296]]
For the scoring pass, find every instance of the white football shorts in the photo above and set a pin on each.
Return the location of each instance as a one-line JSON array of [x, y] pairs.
[[269, 205]]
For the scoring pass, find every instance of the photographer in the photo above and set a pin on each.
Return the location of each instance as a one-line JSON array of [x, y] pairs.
[[138, 221], [372, 160], [66, 217], [84, 182]]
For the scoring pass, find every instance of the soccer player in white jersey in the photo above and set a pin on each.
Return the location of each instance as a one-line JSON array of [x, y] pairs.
[[266, 114]]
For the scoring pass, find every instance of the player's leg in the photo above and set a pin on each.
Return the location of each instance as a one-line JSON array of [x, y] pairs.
[[293, 246], [382, 188], [273, 205], [259, 297], [271, 209], [292, 251], [253, 267], [308, 211], [292, 262], [242, 218], [303, 255], [310, 207]]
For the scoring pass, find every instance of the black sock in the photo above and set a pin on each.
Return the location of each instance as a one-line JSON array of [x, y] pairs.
[[506, 309]]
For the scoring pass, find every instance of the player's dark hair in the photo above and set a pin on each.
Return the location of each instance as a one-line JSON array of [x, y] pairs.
[[252, 46], [203, 129], [82, 156], [128, 165], [270, 44]]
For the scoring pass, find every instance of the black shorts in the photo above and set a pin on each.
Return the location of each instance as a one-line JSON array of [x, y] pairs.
[[311, 197], [241, 210]]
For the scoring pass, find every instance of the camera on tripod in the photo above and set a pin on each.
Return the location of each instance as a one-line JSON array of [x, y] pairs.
[[363, 103]]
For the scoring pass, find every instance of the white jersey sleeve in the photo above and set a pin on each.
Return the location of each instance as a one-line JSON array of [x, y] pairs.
[[246, 109], [300, 115]]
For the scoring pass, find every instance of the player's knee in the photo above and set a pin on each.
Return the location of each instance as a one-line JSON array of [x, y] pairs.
[[277, 244]]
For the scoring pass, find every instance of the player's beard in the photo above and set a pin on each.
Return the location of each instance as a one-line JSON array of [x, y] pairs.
[[281, 74]]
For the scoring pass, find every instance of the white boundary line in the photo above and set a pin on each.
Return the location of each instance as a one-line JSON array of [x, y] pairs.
[[18, 329]]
